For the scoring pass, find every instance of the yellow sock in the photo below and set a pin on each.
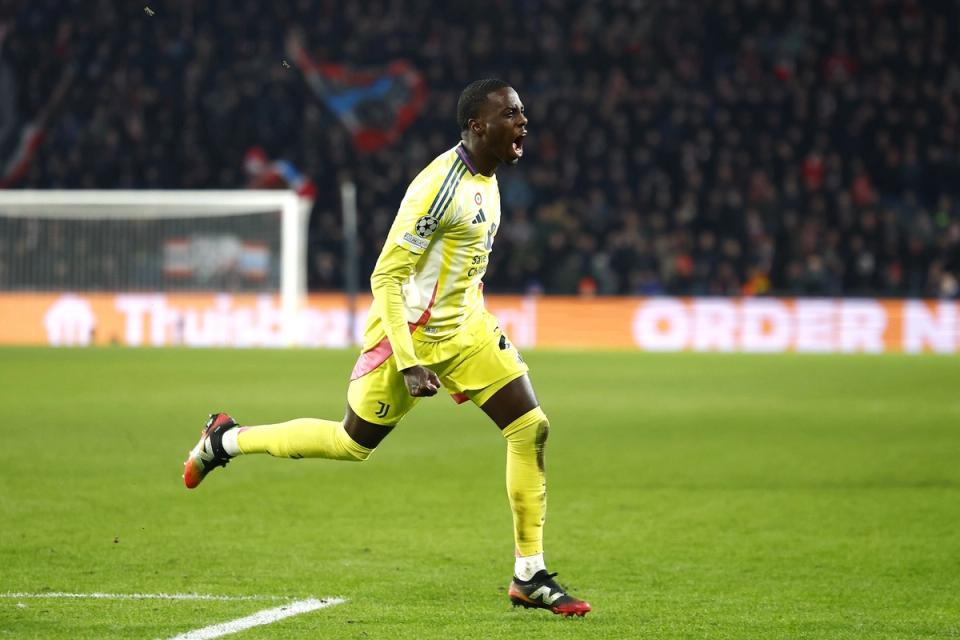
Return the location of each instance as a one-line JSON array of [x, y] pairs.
[[526, 483], [302, 438]]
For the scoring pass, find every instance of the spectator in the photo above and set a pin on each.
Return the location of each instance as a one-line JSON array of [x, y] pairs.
[[722, 148]]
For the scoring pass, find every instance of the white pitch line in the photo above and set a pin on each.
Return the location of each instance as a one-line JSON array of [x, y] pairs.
[[133, 596], [259, 618]]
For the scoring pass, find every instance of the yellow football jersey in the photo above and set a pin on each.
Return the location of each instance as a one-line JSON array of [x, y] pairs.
[[428, 278]]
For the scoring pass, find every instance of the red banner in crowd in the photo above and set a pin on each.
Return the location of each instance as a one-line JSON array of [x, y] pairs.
[[765, 325]]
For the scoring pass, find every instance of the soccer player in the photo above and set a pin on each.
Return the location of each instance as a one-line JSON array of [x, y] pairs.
[[428, 327]]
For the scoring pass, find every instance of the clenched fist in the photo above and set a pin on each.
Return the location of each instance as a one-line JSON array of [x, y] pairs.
[[421, 382]]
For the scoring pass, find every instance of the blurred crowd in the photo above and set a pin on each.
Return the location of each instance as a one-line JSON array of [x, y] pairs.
[[729, 147]]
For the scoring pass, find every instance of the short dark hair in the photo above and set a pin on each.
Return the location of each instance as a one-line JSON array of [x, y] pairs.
[[473, 97]]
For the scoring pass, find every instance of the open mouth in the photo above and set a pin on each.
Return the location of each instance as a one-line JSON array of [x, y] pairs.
[[517, 145]]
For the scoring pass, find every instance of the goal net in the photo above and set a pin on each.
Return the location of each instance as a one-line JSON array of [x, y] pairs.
[[244, 242]]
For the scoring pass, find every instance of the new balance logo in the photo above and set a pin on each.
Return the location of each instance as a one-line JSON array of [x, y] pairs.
[[481, 217], [543, 593]]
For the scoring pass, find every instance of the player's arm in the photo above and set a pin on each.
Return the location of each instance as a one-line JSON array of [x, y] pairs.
[[395, 267], [398, 260]]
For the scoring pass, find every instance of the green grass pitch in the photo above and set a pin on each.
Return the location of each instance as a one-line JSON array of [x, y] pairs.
[[691, 496]]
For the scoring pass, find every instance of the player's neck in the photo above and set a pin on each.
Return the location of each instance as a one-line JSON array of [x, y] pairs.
[[485, 163]]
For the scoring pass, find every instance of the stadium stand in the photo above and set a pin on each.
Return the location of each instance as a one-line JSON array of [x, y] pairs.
[[737, 147]]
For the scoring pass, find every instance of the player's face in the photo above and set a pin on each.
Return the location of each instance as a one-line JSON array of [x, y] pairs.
[[506, 125]]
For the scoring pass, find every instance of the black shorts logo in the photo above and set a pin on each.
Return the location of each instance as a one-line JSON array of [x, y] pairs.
[[382, 410]]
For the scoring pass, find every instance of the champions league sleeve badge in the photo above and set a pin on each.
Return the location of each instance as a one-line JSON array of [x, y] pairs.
[[426, 225]]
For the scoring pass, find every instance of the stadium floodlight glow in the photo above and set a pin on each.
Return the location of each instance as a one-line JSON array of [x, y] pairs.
[[155, 228]]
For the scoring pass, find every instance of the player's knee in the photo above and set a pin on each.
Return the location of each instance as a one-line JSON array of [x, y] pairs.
[[528, 441], [533, 427], [359, 453], [352, 450], [543, 429], [541, 433]]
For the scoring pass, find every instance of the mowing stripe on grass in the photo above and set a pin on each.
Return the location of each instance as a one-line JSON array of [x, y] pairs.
[[134, 596], [259, 618]]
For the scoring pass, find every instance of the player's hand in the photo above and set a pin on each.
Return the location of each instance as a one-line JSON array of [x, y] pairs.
[[421, 382]]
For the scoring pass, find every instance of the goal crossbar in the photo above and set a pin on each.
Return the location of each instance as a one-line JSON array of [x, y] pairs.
[[118, 204]]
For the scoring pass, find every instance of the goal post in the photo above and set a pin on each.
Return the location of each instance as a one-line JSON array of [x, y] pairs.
[[266, 223], [351, 268]]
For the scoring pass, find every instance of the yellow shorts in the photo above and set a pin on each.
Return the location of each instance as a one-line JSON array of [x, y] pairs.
[[472, 365]]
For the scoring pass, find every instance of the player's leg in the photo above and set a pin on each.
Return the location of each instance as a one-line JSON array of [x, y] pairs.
[[494, 377], [351, 439], [375, 404], [514, 408]]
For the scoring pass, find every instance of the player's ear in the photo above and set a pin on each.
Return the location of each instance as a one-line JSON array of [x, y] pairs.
[[476, 126]]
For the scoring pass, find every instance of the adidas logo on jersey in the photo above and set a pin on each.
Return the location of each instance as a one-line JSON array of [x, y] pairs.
[[480, 218]]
